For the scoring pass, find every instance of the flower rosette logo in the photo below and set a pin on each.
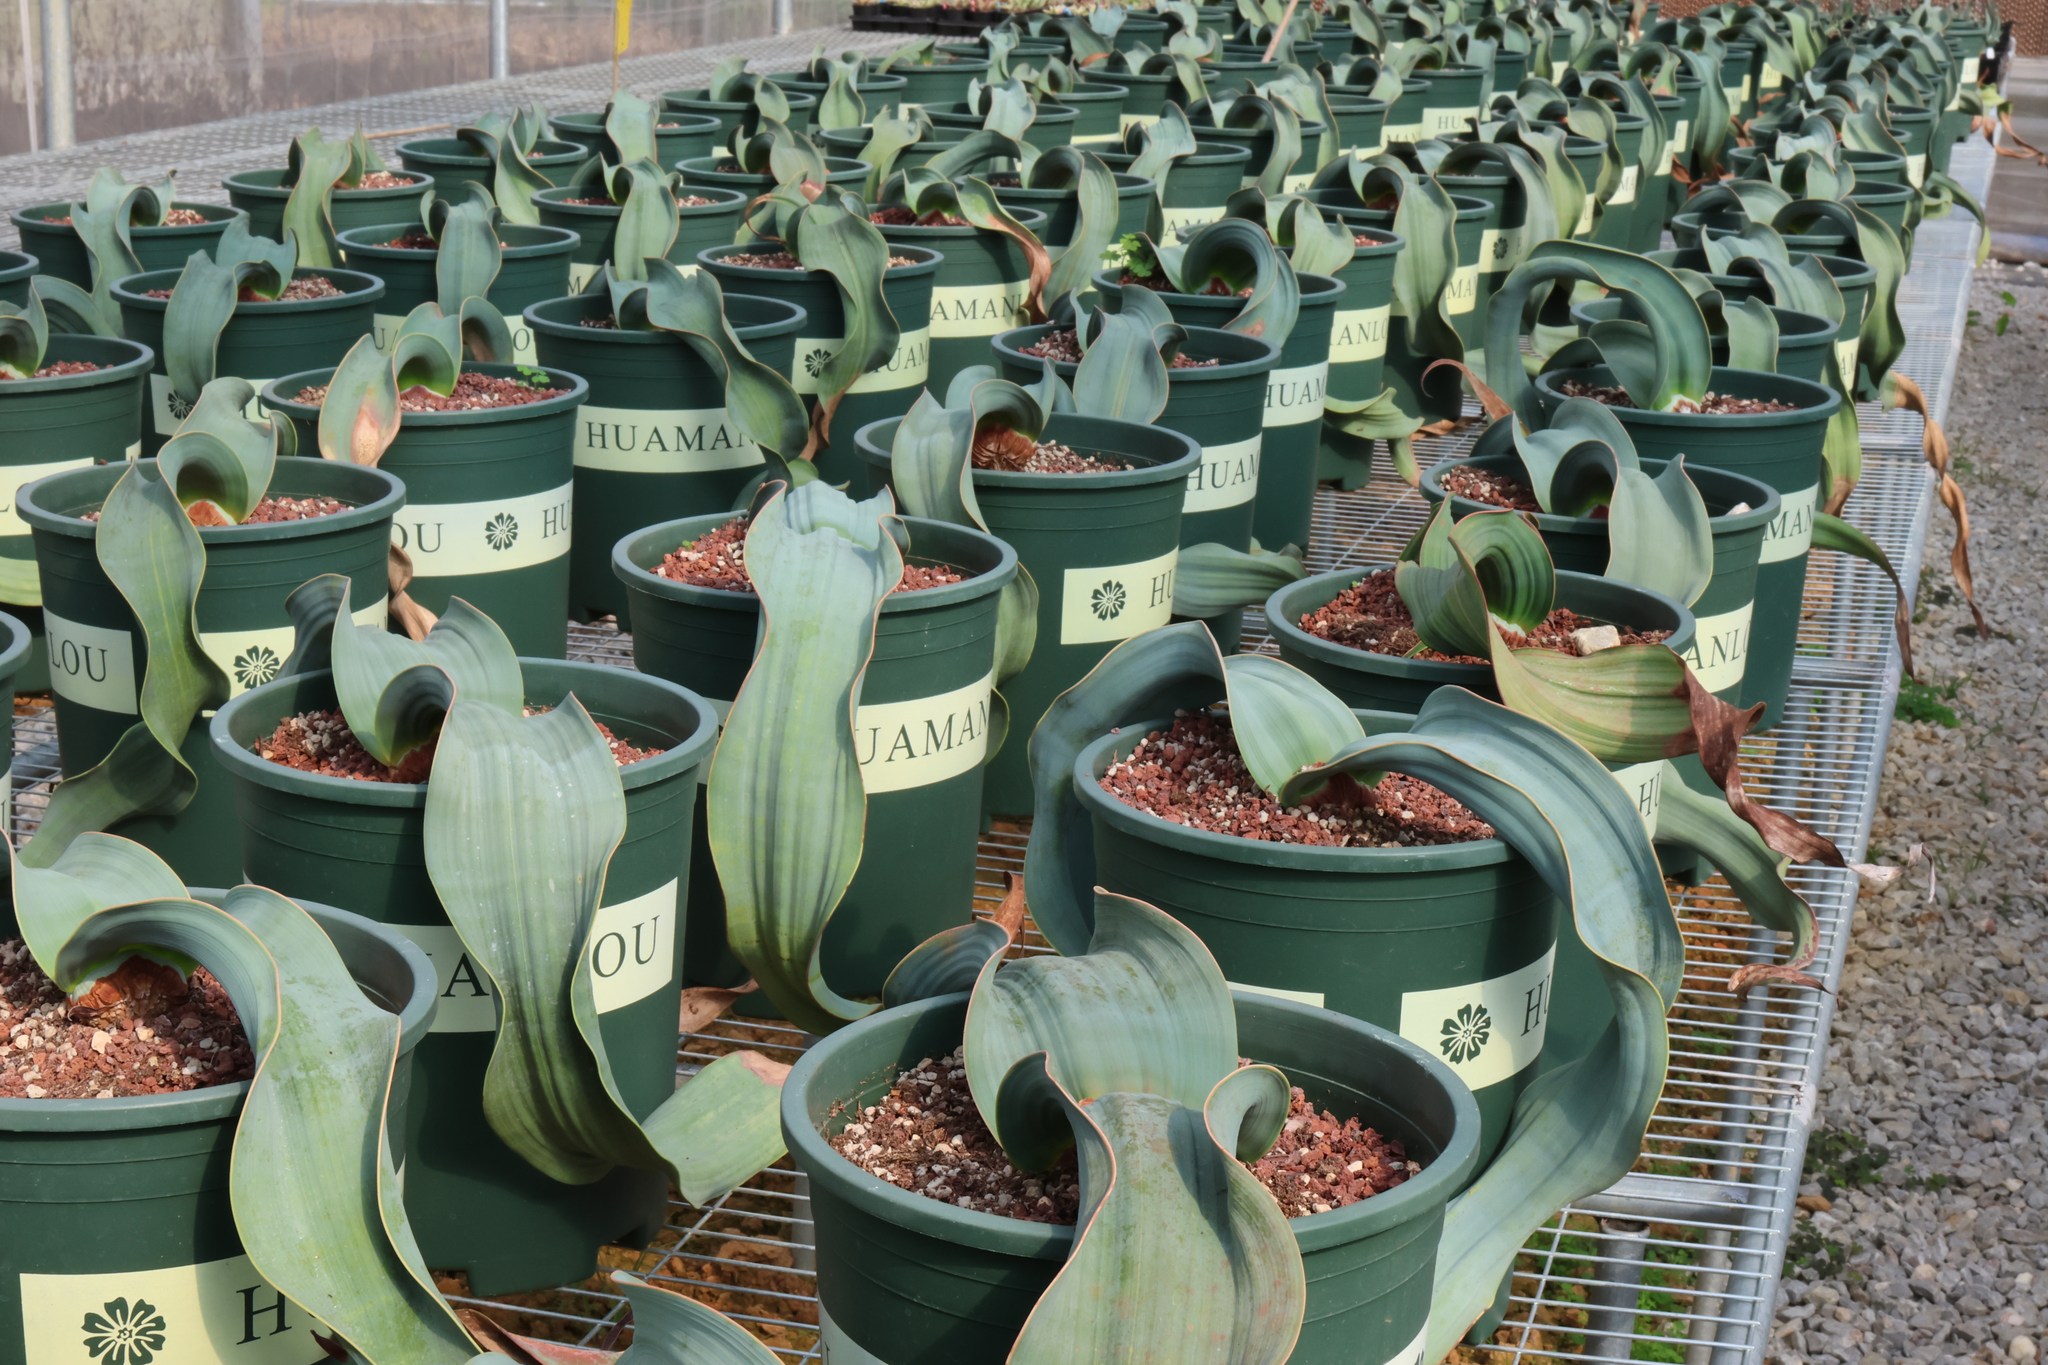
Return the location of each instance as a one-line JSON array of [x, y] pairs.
[[1466, 1033], [124, 1334], [1108, 601], [257, 665], [502, 531]]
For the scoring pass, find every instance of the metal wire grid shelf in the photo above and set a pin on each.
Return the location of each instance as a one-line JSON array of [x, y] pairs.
[[1686, 1251]]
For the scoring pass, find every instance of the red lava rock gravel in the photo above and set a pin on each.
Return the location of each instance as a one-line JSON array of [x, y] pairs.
[[927, 1137], [322, 742], [58, 368], [270, 510], [1010, 453], [299, 289], [1616, 397], [718, 559], [142, 1031], [1191, 774], [1066, 345], [473, 391], [380, 180], [1495, 490], [1371, 616]]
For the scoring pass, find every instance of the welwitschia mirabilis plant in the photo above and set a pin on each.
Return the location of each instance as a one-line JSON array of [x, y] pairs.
[[315, 169], [1577, 1130], [506, 140], [205, 296]]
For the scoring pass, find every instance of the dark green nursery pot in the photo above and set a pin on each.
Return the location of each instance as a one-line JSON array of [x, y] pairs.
[[536, 267]]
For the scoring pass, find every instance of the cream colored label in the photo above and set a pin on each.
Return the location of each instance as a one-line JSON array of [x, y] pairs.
[[1773, 78], [1487, 1031], [1116, 601], [1446, 122], [468, 1004], [633, 948], [907, 369], [1845, 358], [582, 273], [167, 409], [661, 440], [1360, 334], [1099, 139], [1966, 78], [1625, 192], [14, 477], [1742, 91], [1138, 120], [1916, 166], [1461, 295], [906, 744], [1644, 783], [1296, 396], [1971, 66], [1585, 215], [252, 658], [1733, 94], [1178, 218], [1403, 132], [978, 310], [495, 536], [1227, 477], [1498, 248], [1720, 647], [210, 1314], [1299, 997], [1791, 535], [384, 326], [91, 665], [1681, 141]]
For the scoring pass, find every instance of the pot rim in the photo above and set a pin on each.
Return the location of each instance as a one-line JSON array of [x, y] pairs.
[[1417, 1197], [1811, 328], [218, 216], [132, 1113], [593, 121], [1201, 342], [1825, 399], [433, 151], [245, 765], [715, 255], [1031, 218], [844, 167], [792, 318], [553, 241], [119, 372], [265, 184], [24, 265], [700, 96], [18, 643], [358, 287], [566, 397], [1317, 291], [554, 195], [30, 499], [632, 547], [1765, 504], [1206, 154], [868, 441]]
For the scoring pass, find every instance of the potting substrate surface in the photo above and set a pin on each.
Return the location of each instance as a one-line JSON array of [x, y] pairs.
[[1686, 1251]]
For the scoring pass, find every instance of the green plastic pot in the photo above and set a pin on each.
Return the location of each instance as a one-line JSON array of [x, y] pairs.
[[1484, 248], [676, 135], [1147, 97], [1872, 165], [489, 499], [57, 424], [1407, 120], [596, 226], [876, 88], [1140, 30], [920, 730], [945, 81], [731, 113], [536, 266], [1293, 411], [906, 1280], [1196, 187], [1451, 103], [1722, 614], [1804, 339], [17, 650], [1098, 113], [261, 339], [1389, 682], [981, 289], [1914, 130], [1241, 71], [1855, 279], [1358, 339], [1782, 449], [1631, 198], [1219, 407], [1399, 938], [62, 253], [98, 657], [125, 1201], [706, 170], [454, 163], [1738, 78], [262, 195], [1259, 142], [475, 1205], [639, 456], [1101, 547], [1680, 121], [1687, 227], [1892, 202], [16, 270], [1510, 68], [1334, 40], [1062, 209], [1053, 126], [1361, 124], [1586, 157], [887, 392], [852, 144]]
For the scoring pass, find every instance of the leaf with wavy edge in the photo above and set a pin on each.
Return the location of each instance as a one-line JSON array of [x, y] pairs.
[[219, 457], [96, 872], [1579, 1127], [24, 337], [837, 238], [1154, 147], [629, 129], [1832, 533], [514, 180], [785, 802], [151, 553], [1241, 256], [1283, 720], [1530, 183], [1707, 826], [763, 404], [71, 309], [1123, 371], [925, 191], [1095, 190], [951, 960], [359, 417], [469, 255], [314, 167], [1752, 331], [1659, 536], [394, 691], [522, 818], [888, 136], [1210, 579]]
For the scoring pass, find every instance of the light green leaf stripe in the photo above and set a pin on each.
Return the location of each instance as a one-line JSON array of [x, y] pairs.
[[786, 807], [526, 814]]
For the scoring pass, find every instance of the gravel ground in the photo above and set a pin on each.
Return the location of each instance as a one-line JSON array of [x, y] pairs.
[[1926, 1207]]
